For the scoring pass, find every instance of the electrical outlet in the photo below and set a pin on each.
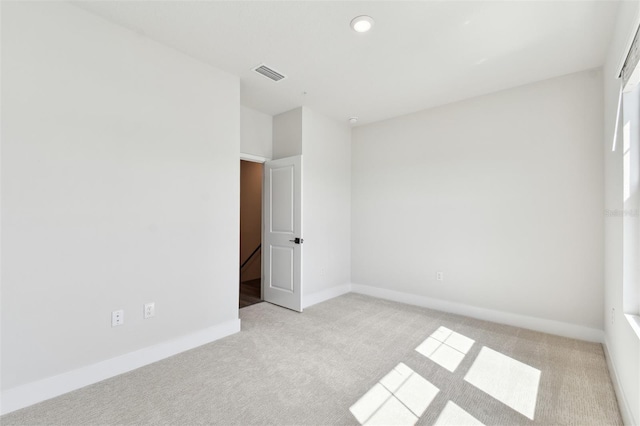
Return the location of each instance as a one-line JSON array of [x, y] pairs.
[[613, 315], [439, 276], [149, 310], [117, 318]]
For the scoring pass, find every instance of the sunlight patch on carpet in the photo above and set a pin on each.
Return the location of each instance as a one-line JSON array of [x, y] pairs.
[[399, 398], [446, 348], [511, 382], [453, 415]]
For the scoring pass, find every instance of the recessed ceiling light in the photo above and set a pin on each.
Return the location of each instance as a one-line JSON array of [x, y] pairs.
[[353, 120], [362, 24]]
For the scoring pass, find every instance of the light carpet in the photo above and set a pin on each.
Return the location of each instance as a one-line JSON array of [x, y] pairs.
[[353, 360]]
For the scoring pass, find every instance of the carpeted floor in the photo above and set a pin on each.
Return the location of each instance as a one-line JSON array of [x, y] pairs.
[[353, 359]]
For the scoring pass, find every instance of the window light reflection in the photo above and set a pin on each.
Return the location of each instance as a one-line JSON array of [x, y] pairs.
[[399, 398], [446, 348], [453, 415], [511, 382]]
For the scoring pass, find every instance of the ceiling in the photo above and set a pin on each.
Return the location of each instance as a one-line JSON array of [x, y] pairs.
[[419, 54]]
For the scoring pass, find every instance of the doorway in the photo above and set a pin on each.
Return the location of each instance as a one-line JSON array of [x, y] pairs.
[[251, 174]]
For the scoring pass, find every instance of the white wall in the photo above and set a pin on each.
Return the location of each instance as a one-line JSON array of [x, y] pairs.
[[502, 193], [287, 134], [119, 186], [256, 133], [326, 147], [623, 345]]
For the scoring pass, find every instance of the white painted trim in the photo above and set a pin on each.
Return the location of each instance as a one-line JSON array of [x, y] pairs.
[[634, 322], [623, 403], [627, 46], [324, 295], [32, 393], [532, 323], [254, 158], [617, 128]]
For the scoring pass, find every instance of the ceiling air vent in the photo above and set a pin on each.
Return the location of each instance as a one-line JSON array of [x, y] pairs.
[[269, 73]]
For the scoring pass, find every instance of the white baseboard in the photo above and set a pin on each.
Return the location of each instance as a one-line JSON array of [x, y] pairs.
[[623, 403], [532, 323], [32, 393], [321, 296]]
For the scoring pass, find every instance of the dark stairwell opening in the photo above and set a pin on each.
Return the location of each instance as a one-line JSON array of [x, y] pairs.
[[250, 233]]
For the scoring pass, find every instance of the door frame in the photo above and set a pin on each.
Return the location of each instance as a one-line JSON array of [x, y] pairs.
[[259, 159], [253, 158]]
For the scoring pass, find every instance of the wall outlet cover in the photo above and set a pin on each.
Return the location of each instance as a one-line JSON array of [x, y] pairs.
[[149, 310], [117, 318]]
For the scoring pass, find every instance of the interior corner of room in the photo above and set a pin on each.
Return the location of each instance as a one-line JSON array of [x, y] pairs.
[[162, 193]]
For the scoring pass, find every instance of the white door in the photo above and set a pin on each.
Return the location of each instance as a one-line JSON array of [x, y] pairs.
[[282, 242]]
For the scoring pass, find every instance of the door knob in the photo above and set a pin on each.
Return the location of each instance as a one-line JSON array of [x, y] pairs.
[[297, 241]]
